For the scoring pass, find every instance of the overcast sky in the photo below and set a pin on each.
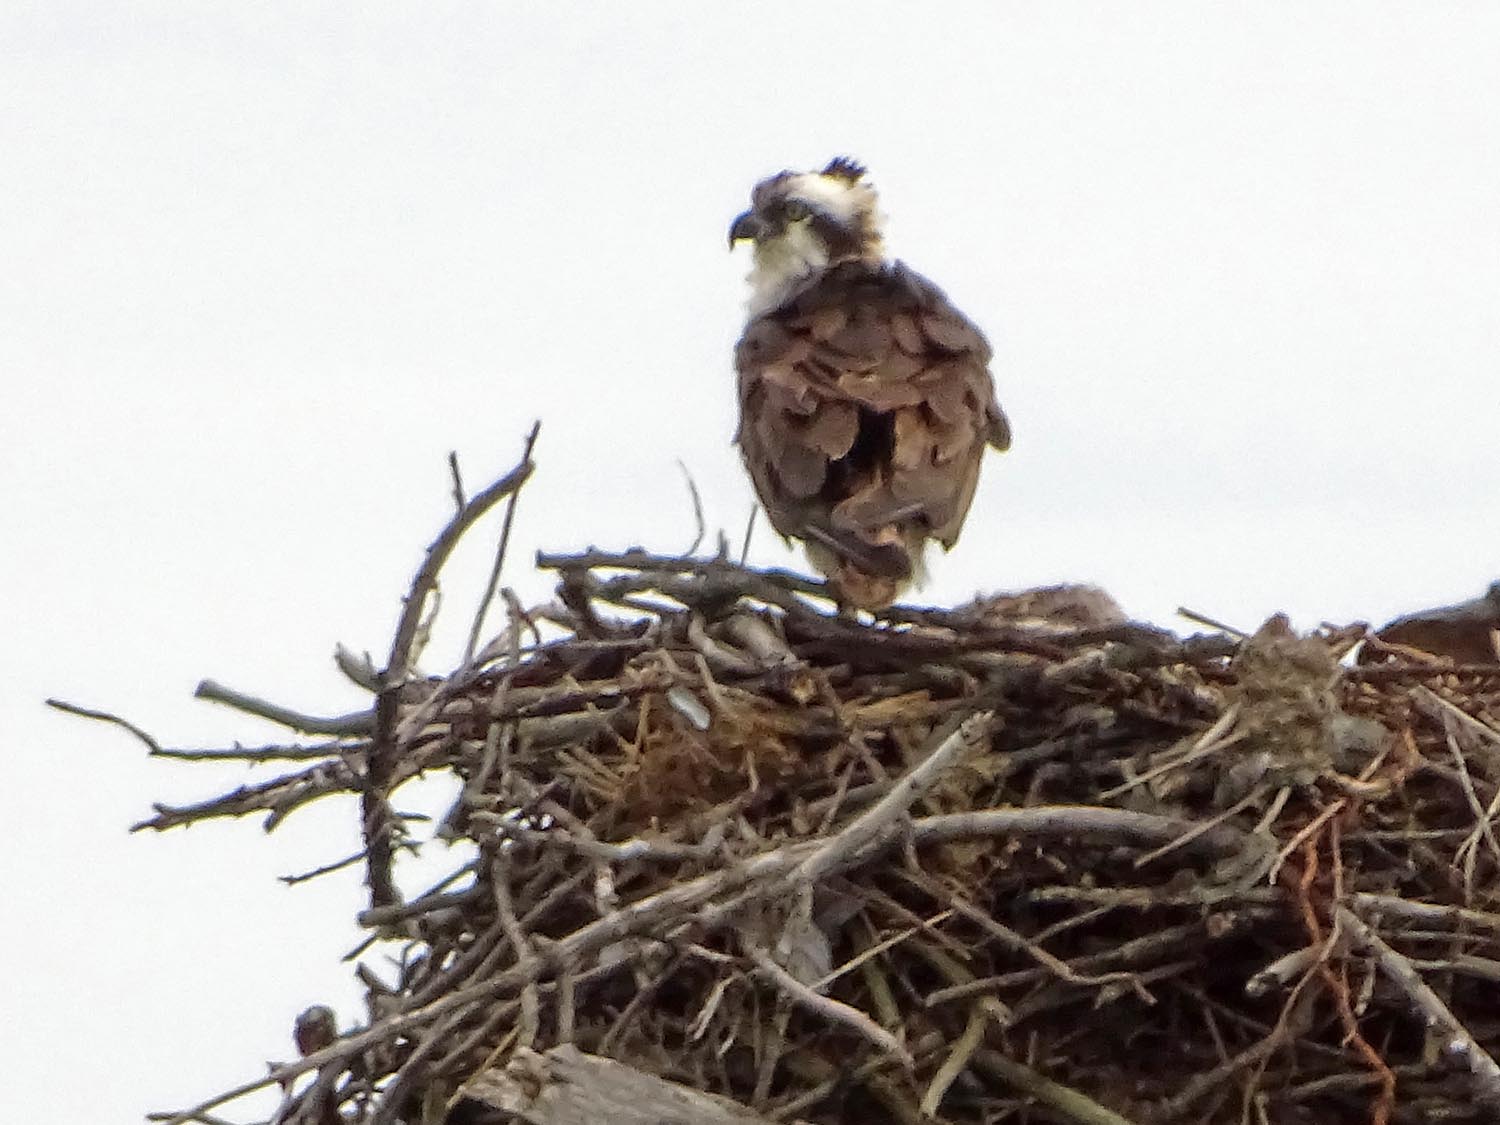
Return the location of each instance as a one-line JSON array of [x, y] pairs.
[[263, 266]]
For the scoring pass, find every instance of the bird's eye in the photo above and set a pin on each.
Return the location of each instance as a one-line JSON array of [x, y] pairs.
[[796, 210]]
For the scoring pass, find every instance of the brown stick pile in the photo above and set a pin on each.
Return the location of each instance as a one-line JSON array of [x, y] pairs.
[[955, 866]]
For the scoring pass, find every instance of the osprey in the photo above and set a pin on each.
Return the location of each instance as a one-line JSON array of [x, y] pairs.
[[866, 402]]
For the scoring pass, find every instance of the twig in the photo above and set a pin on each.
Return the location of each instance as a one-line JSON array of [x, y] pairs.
[[749, 532], [433, 900], [280, 797], [1067, 1101], [458, 481], [522, 946], [492, 583], [1401, 973], [1482, 968], [827, 1007], [396, 670], [375, 817], [665, 574], [1203, 619], [1468, 851], [1202, 1084], [957, 1060], [1282, 971], [1434, 704], [700, 527], [658, 851], [644, 994], [1378, 907], [1010, 938], [326, 869], [882, 817], [878, 948], [1103, 825], [357, 667], [1214, 739], [1197, 830], [1176, 939], [106, 717], [259, 754], [356, 722], [1303, 834]]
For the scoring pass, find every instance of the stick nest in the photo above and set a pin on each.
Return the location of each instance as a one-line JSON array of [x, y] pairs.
[[1018, 861]]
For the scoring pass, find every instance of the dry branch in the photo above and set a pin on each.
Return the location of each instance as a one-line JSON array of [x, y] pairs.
[[732, 858], [381, 763], [564, 1086]]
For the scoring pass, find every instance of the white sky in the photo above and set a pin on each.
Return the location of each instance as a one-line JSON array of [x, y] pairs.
[[263, 266]]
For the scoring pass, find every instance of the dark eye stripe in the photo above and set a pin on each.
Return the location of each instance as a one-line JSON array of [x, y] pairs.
[[839, 237]]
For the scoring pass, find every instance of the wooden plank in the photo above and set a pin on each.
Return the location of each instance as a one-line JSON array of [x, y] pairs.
[[565, 1086]]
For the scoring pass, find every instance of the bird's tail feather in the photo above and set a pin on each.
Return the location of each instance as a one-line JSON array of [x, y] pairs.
[[885, 555]]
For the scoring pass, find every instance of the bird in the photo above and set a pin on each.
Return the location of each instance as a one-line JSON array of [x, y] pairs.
[[316, 1028], [1466, 633], [866, 402]]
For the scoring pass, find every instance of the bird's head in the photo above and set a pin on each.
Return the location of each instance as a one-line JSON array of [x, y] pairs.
[[802, 223]]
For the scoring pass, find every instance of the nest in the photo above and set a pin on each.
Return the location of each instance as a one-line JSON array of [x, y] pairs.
[[738, 858]]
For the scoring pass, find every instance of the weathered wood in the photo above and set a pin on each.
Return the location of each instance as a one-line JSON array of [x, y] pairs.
[[564, 1086], [728, 820]]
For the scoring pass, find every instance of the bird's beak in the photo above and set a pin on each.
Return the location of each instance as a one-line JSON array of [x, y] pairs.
[[743, 227]]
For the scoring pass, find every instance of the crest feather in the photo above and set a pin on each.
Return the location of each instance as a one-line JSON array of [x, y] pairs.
[[845, 168]]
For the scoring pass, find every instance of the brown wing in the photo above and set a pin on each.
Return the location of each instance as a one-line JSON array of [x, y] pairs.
[[865, 403], [1466, 633]]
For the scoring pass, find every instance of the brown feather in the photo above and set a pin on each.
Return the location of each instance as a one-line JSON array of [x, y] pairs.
[[866, 335], [824, 324], [833, 428], [866, 406], [951, 332], [907, 335], [912, 446]]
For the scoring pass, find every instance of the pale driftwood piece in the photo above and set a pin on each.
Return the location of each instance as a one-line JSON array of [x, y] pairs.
[[1284, 970], [755, 636], [564, 1086], [719, 655]]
